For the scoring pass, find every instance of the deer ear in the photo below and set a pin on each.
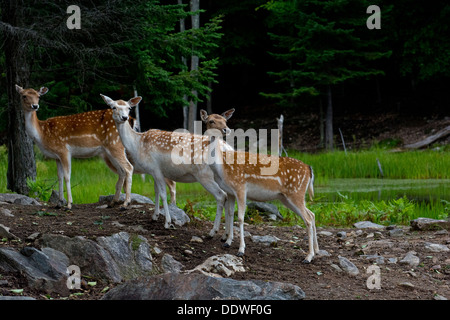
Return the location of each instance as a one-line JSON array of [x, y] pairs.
[[134, 101], [19, 89], [42, 91], [108, 100], [227, 114], [203, 115]]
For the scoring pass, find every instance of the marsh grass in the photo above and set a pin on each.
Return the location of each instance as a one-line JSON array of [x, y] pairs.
[[92, 178]]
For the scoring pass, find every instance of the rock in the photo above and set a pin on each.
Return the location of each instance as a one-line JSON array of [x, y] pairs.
[[266, 240], [408, 285], [44, 270], [5, 298], [169, 264], [196, 239], [265, 207], [396, 232], [6, 212], [341, 234], [367, 225], [336, 267], [348, 266], [33, 236], [194, 286], [18, 199], [179, 217], [89, 256], [424, 224], [435, 247], [4, 233], [220, 265], [439, 297], [374, 258], [410, 259], [325, 233], [135, 198], [54, 199], [130, 253]]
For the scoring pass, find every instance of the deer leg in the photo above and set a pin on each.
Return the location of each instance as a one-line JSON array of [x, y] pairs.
[[66, 170], [156, 210], [160, 185], [60, 183], [173, 191], [118, 163], [241, 198], [229, 217], [298, 206], [212, 187]]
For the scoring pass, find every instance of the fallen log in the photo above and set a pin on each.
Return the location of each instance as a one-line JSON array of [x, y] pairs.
[[429, 140]]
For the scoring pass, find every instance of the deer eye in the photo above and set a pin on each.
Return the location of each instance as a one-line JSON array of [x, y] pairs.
[[24, 97], [211, 121]]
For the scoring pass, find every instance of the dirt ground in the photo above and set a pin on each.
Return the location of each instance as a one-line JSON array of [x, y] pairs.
[[283, 262]]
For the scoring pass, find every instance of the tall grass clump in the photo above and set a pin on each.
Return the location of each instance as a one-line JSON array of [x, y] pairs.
[[363, 164]]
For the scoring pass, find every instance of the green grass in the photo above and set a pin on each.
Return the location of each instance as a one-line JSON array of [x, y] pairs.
[[342, 186]]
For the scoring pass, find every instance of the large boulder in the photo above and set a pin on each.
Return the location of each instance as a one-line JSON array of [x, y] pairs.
[[45, 270], [195, 286], [425, 224], [115, 258]]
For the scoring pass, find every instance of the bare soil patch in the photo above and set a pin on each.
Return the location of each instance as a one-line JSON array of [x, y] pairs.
[[280, 262]]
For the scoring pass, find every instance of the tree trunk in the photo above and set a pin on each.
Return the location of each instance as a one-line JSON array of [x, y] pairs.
[[195, 6], [21, 164], [329, 121], [183, 59]]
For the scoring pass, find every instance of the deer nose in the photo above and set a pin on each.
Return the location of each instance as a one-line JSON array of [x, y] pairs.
[[34, 106], [124, 118]]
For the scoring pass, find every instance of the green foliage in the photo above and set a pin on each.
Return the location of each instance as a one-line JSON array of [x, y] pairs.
[[320, 43], [41, 189]]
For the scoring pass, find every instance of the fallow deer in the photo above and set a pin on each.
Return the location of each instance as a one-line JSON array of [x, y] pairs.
[[246, 176], [82, 135], [156, 152]]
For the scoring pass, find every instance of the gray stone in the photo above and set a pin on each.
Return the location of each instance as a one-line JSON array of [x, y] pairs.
[[178, 216], [410, 259], [43, 271], [348, 266], [220, 265], [18, 199], [6, 212], [14, 298], [396, 232], [169, 264], [265, 240], [131, 254], [424, 224], [374, 258], [435, 247], [367, 225], [265, 207], [135, 198], [89, 256], [341, 234], [194, 286], [5, 233], [54, 199]]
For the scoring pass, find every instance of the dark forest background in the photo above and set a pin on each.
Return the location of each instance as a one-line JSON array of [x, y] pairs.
[[261, 55]]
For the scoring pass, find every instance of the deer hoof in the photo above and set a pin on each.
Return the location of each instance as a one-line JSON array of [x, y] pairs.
[[226, 245], [240, 254]]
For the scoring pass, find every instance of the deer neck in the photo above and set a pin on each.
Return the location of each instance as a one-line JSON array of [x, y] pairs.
[[33, 127], [129, 137]]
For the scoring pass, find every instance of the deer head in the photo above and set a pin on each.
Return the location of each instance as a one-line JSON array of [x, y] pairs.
[[30, 97], [215, 121], [121, 109]]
